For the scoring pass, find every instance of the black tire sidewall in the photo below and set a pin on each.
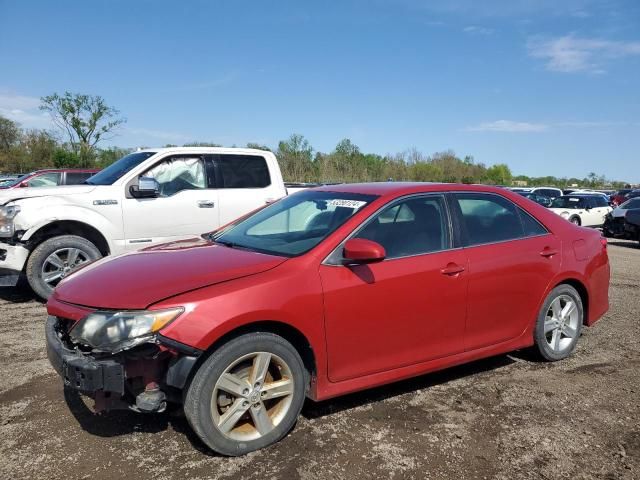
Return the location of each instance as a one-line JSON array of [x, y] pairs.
[[539, 337], [199, 393], [46, 248], [573, 220]]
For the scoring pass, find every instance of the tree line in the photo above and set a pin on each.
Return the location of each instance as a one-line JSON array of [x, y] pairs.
[[85, 121]]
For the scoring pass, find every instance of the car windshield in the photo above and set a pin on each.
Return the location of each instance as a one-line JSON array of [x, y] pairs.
[[295, 224], [568, 202], [14, 182], [117, 169], [633, 203]]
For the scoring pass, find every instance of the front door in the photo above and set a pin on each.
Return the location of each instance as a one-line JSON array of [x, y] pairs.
[[404, 310], [185, 206]]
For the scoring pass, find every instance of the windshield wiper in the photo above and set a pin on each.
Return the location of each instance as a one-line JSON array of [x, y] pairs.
[[226, 243]]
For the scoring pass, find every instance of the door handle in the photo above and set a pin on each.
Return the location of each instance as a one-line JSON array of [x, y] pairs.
[[206, 204], [548, 252], [452, 269]]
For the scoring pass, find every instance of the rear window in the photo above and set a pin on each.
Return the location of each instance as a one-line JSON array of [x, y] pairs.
[[242, 171]]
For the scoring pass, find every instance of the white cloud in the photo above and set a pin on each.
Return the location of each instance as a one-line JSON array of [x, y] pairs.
[[477, 30], [508, 126], [518, 127], [573, 54], [24, 110]]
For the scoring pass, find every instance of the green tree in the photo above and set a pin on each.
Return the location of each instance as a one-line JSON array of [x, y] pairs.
[[9, 133], [295, 156], [499, 174], [84, 119]]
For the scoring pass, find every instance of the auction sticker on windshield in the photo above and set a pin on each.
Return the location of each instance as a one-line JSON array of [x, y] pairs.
[[338, 202]]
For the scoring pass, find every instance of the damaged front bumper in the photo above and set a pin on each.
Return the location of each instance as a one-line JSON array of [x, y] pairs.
[[143, 378]]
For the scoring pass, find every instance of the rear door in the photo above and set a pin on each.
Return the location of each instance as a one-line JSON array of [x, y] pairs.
[[512, 258], [244, 183], [407, 309], [186, 205]]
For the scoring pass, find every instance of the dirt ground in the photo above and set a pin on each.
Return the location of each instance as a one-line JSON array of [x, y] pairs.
[[508, 417]]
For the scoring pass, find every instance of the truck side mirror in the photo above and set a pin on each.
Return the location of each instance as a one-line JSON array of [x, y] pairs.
[[147, 187]]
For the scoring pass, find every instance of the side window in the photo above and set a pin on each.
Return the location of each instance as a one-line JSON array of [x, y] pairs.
[[243, 171], [412, 227], [45, 180], [178, 173], [488, 218], [530, 225], [76, 178]]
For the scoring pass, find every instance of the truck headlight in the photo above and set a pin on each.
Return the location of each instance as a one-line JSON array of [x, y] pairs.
[[7, 214], [117, 331]]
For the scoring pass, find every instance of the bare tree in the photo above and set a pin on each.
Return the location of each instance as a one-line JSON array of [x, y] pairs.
[[85, 119]]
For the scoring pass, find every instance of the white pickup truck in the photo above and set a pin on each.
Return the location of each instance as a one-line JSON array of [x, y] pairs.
[[146, 197]]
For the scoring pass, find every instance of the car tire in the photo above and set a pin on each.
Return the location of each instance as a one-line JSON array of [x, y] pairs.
[[575, 220], [207, 402], [62, 248], [559, 324]]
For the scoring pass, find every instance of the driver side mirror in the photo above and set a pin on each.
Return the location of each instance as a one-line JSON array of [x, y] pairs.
[[23, 185], [358, 251], [147, 187]]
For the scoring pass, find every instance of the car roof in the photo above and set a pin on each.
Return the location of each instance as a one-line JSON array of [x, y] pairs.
[[234, 150], [394, 189]]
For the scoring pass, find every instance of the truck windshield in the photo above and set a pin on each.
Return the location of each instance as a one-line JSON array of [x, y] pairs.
[[117, 169], [295, 224]]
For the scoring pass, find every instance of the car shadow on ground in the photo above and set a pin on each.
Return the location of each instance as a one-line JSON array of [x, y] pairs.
[[313, 410], [21, 293], [123, 422]]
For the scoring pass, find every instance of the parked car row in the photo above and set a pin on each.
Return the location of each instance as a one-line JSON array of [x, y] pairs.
[[587, 208], [624, 221]]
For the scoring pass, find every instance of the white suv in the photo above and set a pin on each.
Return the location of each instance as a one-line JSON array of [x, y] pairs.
[[146, 197]]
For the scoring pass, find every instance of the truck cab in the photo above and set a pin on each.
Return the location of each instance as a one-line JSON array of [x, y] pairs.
[[147, 197]]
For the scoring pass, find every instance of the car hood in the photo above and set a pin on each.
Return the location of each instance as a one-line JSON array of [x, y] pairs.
[[11, 194], [136, 280]]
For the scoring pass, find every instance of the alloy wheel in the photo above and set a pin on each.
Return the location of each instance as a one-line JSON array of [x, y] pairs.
[[252, 396], [62, 262], [561, 323]]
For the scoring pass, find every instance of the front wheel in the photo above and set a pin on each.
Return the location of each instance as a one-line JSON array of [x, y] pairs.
[[247, 395], [559, 324], [56, 258]]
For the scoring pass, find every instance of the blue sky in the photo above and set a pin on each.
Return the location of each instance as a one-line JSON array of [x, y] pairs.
[[548, 87]]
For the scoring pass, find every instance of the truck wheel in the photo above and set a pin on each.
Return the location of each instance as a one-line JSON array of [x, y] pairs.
[[247, 395], [55, 258], [575, 220]]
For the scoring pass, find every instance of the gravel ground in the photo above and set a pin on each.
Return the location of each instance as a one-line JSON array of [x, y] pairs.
[[506, 417]]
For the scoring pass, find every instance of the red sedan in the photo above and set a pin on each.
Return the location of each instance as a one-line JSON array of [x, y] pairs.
[[323, 293]]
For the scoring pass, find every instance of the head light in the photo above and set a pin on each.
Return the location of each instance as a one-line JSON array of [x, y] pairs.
[[117, 331], [7, 214]]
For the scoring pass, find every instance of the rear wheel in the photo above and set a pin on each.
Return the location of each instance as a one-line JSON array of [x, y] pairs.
[[575, 220], [56, 258], [247, 395], [559, 323]]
